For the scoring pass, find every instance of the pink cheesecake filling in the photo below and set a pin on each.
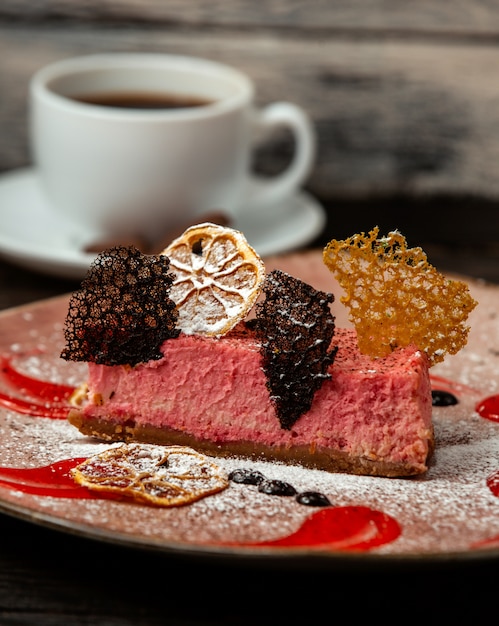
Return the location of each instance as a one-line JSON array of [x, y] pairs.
[[215, 390]]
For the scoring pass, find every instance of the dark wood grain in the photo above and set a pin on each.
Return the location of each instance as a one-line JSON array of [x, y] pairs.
[[403, 95], [454, 17], [54, 579]]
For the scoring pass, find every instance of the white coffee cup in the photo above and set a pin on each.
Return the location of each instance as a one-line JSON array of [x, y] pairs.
[[119, 170]]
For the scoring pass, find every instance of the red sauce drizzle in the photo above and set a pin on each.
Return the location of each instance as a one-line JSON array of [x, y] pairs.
[[491, 542], [489, 409], [493, 483], [351, 528], [46, 399], [440, 382], [49, 480]]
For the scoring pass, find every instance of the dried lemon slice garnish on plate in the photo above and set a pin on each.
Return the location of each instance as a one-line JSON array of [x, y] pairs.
[[396, 298], [163, 476], [218, 278]]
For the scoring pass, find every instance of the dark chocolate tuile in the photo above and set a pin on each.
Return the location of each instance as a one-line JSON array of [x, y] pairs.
[[295, 326], [122, 312]]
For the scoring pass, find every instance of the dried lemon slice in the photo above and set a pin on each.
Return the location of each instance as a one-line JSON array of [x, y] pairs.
[[218, 278], [163, 476]]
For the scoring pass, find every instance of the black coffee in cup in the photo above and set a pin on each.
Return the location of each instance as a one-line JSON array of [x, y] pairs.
[[141, 100]]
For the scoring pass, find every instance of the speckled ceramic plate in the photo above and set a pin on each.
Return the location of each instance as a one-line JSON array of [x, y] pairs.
[[452, 512]]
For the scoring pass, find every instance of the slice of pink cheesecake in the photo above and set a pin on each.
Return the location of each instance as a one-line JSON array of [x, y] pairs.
[[371, 416]]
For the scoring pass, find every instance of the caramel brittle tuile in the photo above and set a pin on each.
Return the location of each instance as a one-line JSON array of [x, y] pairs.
[[396, 298]]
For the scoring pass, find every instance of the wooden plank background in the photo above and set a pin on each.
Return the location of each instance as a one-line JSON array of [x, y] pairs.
[[404, 96]]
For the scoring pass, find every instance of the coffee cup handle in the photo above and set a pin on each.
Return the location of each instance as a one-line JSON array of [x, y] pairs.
[[267, 192]]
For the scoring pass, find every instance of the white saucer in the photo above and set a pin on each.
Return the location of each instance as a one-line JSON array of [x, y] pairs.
[[33, 236]]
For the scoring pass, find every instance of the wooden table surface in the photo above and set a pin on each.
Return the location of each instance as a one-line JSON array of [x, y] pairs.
[[405, 101]]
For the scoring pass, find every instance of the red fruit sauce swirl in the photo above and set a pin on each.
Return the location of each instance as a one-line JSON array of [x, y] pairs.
[[489, 408], [49, 480], [345, 528], [40, 398]]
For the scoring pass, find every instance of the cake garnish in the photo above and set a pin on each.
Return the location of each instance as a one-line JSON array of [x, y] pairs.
[[158, 475], [218, 278], [396, 298], [122, 312], [295, 326]]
